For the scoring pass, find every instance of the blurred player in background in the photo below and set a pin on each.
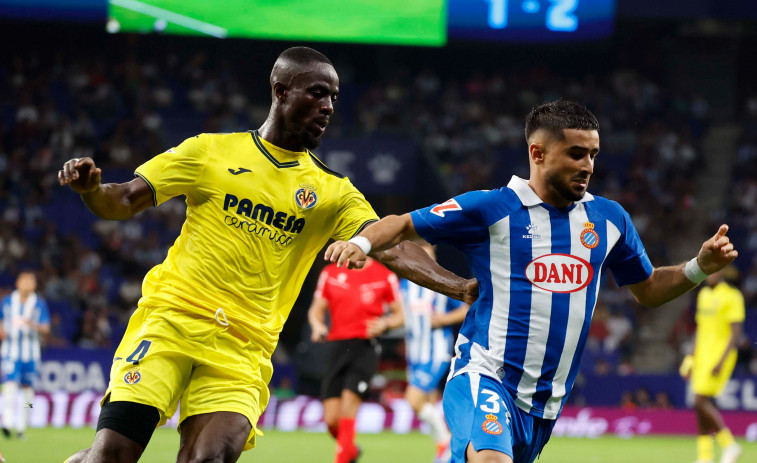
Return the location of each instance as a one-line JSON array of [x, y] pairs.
[[720, 320], [429, 318], [356, 301], [538, 248], [260, 206], [23, 318]]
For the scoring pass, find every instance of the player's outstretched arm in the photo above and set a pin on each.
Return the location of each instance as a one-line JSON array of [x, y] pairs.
[[112, 201], [384, 234], [385, 240], [667, 283]]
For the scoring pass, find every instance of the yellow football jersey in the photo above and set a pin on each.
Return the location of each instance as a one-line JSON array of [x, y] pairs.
[[717, 308], [257, 216]]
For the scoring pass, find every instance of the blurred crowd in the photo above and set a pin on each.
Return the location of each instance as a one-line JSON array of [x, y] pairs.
[[123, 110]]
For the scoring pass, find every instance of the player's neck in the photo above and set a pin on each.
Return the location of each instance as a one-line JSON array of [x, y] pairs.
[[547, 193], [271, 132], [23, 296]]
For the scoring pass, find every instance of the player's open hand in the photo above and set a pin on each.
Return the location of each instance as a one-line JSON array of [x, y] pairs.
[[80, 174], [343, 253], [717, 252]]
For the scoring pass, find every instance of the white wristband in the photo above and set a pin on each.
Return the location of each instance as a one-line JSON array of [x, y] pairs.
[[693, 272], [362, 242]]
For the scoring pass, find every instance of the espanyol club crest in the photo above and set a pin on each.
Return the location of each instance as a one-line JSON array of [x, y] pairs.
[[306, 197], [492, 426], [589, 238], [132, 377]]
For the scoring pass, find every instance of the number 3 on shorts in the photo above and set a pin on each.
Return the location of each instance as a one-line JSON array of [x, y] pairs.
[[139, 352], [493, 399]]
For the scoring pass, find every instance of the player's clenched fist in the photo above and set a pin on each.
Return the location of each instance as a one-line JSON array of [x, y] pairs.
[[80, 174], [343, 252]]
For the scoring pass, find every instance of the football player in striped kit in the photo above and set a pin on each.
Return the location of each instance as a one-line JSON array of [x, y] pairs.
[[23, 317], [429, 317], [538, 248]]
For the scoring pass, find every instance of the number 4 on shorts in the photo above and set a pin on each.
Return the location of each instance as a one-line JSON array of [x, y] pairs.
[[139, 353]]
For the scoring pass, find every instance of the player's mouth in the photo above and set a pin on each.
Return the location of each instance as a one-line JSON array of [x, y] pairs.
[[320, 125], [581, 182]]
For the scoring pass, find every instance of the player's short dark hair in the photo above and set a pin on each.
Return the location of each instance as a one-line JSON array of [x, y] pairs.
[[304, 55], [559, 115]]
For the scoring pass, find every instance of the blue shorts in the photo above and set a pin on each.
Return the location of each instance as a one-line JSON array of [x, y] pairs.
[[427, 376], [480, 411], [20, 372]]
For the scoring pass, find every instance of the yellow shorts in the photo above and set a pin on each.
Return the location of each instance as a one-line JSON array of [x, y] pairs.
[[702, 381], [169, 356]]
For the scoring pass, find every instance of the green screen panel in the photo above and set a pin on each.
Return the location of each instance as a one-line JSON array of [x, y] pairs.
[[411, 22]]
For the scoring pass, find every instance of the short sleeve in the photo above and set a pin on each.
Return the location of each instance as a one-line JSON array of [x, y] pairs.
[[6, 301], [628, 259], [354, 212], [459, 220], [736, 310], [176, 171]]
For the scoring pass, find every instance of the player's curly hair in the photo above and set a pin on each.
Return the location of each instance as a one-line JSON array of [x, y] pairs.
[[559, 115]]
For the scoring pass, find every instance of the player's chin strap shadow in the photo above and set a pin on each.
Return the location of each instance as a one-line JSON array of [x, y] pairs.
[[221, 318]]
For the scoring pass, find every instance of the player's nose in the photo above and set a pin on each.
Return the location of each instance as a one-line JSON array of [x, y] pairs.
[[327, 106]]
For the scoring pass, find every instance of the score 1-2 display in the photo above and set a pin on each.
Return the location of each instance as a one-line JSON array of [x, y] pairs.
[[530, 20]]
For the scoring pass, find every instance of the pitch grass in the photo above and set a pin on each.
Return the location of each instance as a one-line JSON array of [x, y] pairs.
[[50, 445]]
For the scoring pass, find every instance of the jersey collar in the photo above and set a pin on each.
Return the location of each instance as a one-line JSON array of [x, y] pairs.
[[529, 197]]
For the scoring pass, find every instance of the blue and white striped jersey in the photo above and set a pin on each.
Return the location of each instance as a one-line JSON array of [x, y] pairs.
[[424, 345], [538, 269], [21, 341]]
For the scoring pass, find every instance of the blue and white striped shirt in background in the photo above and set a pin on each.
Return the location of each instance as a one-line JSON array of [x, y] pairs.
[[424, 345], [539, 270], [21, 341]]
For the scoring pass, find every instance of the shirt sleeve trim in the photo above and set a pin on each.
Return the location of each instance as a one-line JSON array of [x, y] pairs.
[[152, 188], [362, 227]]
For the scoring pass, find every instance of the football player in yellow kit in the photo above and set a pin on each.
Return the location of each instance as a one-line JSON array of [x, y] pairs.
[[260, 206], [720, 319]]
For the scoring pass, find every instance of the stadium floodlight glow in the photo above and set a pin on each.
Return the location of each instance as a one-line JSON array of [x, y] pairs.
[[399, 22]]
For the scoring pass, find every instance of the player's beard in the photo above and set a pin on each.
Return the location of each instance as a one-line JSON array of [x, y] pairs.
[[309, 141], [563, 188]]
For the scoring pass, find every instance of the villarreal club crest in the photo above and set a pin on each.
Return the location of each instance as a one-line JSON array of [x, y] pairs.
[[132, 376], [305, 197]]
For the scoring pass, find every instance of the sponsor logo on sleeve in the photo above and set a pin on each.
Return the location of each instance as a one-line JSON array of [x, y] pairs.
[[447, 206], [559, 273]]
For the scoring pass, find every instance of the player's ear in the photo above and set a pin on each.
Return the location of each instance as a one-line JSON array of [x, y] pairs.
[[280, 90], [536, 152]]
